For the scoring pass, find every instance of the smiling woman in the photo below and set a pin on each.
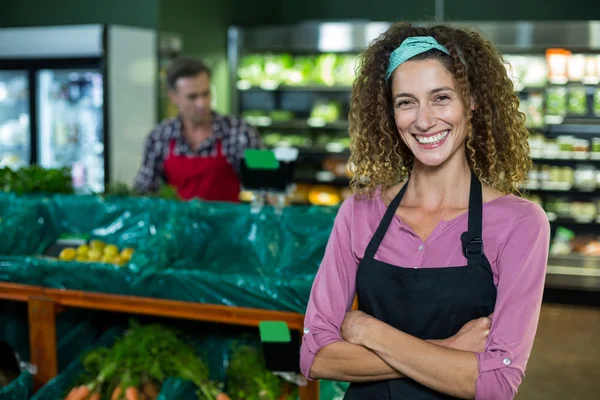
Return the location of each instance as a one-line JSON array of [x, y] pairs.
[[447, 264], [472, 73]]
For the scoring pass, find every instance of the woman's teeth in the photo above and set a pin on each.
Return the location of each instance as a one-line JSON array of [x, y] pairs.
[[432, 139]]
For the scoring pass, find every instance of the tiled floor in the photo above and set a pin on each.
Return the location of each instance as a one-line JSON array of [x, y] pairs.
[[565, 361]]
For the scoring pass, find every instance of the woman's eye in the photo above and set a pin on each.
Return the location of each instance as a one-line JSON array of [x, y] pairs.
[[402, 103], [442, 98]]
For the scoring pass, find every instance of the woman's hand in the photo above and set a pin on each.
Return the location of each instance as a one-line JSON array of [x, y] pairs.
[[355, 326], [472, 336]]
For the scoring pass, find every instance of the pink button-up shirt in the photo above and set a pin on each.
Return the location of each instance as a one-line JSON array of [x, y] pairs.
[[516, 237]]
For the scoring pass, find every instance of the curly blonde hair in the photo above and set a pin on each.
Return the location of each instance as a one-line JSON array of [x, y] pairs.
[[497, 147]]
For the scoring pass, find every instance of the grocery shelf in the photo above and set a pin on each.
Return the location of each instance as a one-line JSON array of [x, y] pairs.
[[311, 123], [590, 127], [573, 272], [287, 88], [560, 191]]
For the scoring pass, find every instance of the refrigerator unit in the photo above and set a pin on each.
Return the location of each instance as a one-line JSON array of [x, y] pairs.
[[83, 97]]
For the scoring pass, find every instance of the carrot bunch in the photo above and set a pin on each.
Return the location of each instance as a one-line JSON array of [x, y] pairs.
[[137, 365]]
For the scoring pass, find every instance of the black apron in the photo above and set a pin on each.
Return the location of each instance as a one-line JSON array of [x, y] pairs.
[[428, 303]]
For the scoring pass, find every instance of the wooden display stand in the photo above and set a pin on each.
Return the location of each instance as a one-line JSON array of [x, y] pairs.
[[45, 303]]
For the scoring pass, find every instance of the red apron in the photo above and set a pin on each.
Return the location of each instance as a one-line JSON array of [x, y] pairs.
[[209, 178]]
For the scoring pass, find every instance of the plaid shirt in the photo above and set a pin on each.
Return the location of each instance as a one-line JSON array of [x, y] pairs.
[[235, 135]]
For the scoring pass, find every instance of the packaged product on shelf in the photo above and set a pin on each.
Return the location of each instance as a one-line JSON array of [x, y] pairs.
[[322, 195], [344, 70], [576, 67], [597, 102], [526, 71], [592, 70], [595, 153], [556, 101], [583, 211], [533, 108], [561, 244], [328, 111], [558, 60], [323, 70], [274, 69], [577, 100], [585, 177], [537, 145], [581, 149], [565, 146], [250, 70], [300, 72]]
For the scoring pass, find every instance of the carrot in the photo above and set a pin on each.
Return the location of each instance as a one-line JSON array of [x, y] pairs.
[[223, 396], [132, 393], [150, 390], [116, 394], [73, 394], [78, 393], [95, 396]]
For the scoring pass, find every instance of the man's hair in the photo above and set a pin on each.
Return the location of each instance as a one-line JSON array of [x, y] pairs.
[[185, 67]]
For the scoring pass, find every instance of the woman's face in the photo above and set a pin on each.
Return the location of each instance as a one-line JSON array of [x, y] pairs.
[[429, 114]]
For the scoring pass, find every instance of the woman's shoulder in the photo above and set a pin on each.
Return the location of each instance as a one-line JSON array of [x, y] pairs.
[[358, 205], [511, 212]]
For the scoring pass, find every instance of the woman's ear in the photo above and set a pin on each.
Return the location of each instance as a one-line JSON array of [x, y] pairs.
[[473, 105]]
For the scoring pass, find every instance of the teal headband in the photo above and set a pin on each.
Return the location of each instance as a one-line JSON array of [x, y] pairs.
[[411, 47]]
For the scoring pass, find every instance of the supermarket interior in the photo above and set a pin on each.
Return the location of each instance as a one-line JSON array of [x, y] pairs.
[[119, 281]]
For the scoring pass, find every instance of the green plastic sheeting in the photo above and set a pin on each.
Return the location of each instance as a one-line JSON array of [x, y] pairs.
[[216, 253], [75, 330], [19, 389]]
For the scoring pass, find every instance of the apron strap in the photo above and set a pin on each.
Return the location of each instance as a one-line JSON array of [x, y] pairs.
[[385, 223], [472, 242]]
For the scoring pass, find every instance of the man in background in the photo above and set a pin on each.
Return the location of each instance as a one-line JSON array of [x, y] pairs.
[[199, 151]]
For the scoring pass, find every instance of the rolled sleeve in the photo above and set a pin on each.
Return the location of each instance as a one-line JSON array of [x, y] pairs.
[[332, 292], [521, 275]]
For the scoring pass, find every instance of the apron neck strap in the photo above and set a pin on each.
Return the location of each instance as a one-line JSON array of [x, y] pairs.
[[471, 240], [385, 223], [472, 244]]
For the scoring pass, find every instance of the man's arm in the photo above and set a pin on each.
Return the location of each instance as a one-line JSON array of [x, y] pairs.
[[148, 178]]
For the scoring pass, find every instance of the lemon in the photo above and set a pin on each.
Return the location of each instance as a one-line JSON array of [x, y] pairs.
[[67, 254], [127, 253], [111, 250], [81, 258], [83, 250], [107, 259], [97, 245], [94, 255], [119, 261]]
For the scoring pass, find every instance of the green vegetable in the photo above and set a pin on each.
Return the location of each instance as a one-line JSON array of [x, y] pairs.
[[146, 353], [249, 379], [35, 179]]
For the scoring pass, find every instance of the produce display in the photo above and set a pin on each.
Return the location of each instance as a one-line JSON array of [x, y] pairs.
[[35, 179], [271, 70], [97, 251], [139, 363]]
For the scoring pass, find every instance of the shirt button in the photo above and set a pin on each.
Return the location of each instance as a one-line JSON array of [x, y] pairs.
[[306, 330], [421, 248], [506, 361]]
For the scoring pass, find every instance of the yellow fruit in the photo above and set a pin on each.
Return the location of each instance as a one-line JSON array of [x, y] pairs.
[[97, 245], [81, 258], [67, 254], [119, 261], [83, 250], [127, 253], [107, 259], [94, 255], [111, 250]]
